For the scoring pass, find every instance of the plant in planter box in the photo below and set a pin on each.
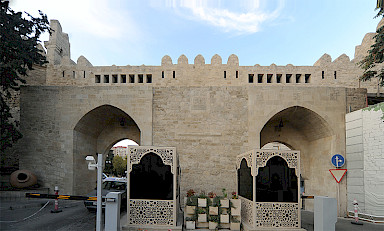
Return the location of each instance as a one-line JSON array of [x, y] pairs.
[[235, 223], [213, 203], [191, 202], [224, 202], [202, 200], [235, 204], [214, 221], [224, 216], [190, 222], [201, 214]]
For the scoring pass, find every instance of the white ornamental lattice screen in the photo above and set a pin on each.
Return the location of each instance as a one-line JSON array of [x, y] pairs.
[[275, 201], [152, 183]]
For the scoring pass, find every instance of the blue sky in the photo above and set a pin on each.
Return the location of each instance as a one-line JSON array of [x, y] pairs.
[[136, 32]]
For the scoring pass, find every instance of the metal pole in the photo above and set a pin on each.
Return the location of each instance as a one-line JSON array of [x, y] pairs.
[[99, 198]]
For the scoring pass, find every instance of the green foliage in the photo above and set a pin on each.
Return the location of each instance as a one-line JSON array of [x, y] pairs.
[[375, 55], [192, 200], [216, 201], [193, 218], [376, 107], [234, 220], [200, 210], [119, 165], [19, 38], [214, 218], [224, 191]]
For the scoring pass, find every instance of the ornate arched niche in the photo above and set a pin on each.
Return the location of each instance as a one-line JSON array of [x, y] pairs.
[[152, 183]]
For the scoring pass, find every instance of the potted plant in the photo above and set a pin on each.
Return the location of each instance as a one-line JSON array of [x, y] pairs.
[[224, 216], [201, 214], [190, 222], [214, 221], [224, 202], [202, 200], [235, 223], [191, 202], [235, 205], [214, 203]]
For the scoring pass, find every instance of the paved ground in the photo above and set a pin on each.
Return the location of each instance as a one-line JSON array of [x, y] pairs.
[[9, 208]]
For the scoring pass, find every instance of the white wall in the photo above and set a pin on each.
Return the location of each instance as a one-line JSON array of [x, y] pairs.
[[365, 161]]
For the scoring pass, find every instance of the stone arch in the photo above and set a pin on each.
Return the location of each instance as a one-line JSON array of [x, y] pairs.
[[310, 133], [95, 132], [166, 60], [233, 60]]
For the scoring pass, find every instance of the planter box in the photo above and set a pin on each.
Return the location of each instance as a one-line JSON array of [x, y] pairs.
[[236, 203], [236, 211], [202, 218], [213, 210], [190, 225], [213, 225], [190, 209], [224, 203], [202, 202], [224, 218], [202, 225], [235, 226], [224, 211]]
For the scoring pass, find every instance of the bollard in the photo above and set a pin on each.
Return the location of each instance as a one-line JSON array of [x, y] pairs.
[[112, 211], [56, 210], [356, 208], [325, 216]]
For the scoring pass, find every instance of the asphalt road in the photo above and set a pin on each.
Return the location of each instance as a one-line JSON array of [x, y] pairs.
[[74, 217]]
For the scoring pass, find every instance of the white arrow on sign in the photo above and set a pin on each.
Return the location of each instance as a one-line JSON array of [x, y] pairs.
[[338, 174]]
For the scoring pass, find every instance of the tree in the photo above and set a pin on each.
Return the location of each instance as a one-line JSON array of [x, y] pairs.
[[375, 54], [119, 165], [19, 38]]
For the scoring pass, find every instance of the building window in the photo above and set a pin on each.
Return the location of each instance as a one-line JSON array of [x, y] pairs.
[[260, 78], [63, 73], [174, 74], [298, 78], [74, 74], [322, 74], [141, 80], [149, 78], [225, 74], [288, 78], [307, 78], [269, 78], [106, 78], [162, 74], [97, 78], [334, 74], [131, 78], [278, 78], [123, 78], [250, 78], [84, 74], [237, 74], [114, 78]]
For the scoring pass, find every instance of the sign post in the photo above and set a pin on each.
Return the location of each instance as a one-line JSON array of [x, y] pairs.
[[338, 161]]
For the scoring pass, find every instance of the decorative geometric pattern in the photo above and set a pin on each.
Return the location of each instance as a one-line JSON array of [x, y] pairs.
[[137, 152], [151, 212], [277, 215], [246, 211], [291, 157], [248, 157]]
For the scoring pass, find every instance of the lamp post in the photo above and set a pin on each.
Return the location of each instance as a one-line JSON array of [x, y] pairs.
[[92, 165]]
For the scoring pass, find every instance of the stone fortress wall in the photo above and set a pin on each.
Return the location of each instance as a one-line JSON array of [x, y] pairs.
[[209, 112]]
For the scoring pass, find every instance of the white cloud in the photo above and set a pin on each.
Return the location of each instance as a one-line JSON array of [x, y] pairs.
[[104, 19], [243, 16]]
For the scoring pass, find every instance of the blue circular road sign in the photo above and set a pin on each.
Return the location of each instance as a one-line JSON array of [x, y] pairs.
[[338, 160]]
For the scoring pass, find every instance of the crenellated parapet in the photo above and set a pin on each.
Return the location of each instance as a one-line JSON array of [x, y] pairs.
[[341, 72]]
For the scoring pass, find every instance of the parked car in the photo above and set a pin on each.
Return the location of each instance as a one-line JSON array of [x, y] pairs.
[[110, 184]]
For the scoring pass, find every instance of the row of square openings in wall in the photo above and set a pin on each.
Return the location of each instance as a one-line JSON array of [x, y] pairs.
[[131, 78], [279, 78]]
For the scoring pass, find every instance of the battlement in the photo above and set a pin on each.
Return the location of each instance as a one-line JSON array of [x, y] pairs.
[[61, 70]]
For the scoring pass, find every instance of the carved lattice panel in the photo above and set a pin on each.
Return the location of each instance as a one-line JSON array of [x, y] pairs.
[[291, 157], [137, 152], [277, 215], [151, 212], [246, 211]]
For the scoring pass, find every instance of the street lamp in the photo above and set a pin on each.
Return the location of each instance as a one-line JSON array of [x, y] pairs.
[[92, 165]]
